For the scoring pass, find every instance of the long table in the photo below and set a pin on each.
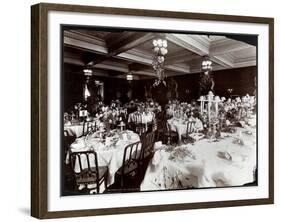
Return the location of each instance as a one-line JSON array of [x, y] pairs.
[[229, 161]]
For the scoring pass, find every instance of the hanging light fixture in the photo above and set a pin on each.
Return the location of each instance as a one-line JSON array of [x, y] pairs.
[[206, 65], [88, 72], [129, 76], [159, 50]]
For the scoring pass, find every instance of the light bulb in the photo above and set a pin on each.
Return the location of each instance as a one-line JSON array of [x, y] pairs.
[[159, 41], [156, 49]]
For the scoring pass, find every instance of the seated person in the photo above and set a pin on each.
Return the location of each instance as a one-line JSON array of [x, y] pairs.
[[198, 126]]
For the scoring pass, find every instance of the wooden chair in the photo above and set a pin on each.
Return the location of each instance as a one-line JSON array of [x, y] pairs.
[[87, 127], [132, 160], [160, 128], [67, 141], [189, 129], [147, 141], [87, 171], [170, 135]]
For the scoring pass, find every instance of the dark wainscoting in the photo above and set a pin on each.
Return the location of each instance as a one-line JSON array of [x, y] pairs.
[[241, 80]]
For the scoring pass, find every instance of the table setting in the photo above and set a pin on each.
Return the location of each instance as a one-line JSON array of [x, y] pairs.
[[228, 161], [109, 147]]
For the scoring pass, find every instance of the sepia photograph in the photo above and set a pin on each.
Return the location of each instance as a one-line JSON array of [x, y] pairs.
[[155, 110]]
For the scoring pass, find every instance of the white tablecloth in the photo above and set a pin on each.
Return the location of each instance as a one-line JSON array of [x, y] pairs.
[[178, 125], [109, 154], [202, 164], [141, 118], [74, 130]]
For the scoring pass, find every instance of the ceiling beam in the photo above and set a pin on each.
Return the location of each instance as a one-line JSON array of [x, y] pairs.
[[127, 41], [251, 61], [78, 40], [124, 44], [200, 46], [147, 64], [189, 42], [226, 46], [222, 60], [182, 69], [73, 61], [180, 57], [109, 65]]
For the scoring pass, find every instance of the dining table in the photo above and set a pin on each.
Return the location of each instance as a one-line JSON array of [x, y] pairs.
[[178, 125], [230, 160], [141, 117], [75, 129], [109, 147]]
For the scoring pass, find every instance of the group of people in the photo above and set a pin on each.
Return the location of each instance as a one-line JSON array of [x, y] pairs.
[[229, 111]]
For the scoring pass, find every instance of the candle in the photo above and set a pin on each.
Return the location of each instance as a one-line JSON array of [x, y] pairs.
[[217, 100], [201, 99], [209, 109]]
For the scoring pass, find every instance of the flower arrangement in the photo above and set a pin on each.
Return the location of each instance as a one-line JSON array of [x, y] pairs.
[[80, 106]]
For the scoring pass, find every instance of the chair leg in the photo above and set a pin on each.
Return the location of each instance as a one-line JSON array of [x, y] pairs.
[[122, 181], [98, 186], [105, 181], [169, 140]]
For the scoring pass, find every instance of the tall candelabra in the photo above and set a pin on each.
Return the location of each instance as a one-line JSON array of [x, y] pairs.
[[210, 100]]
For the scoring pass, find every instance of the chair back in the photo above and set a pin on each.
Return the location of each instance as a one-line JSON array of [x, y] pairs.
[[190, 127], [147, 141], [139, 118], [67, 140], [133, 152], [87, 127], [168, 127], [84, 161]]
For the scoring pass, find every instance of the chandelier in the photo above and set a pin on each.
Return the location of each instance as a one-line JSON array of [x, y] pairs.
[[206, 65], [159, 50]]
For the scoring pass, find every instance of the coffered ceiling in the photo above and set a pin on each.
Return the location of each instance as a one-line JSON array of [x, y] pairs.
[[114, 54]]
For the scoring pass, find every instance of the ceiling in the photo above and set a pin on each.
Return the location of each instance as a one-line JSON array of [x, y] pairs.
[[114, 54]]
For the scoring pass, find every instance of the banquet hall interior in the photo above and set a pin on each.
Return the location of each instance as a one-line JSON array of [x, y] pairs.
[[156, 111]]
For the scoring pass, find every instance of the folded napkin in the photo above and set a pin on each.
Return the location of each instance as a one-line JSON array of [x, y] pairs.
[[231, 156], [78, 145], [158, 157], [238, 141], [197, 136], [224, 155], [252, 122]]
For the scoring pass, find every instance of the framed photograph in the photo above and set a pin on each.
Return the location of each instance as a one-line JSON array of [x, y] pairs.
[[141, 110]]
